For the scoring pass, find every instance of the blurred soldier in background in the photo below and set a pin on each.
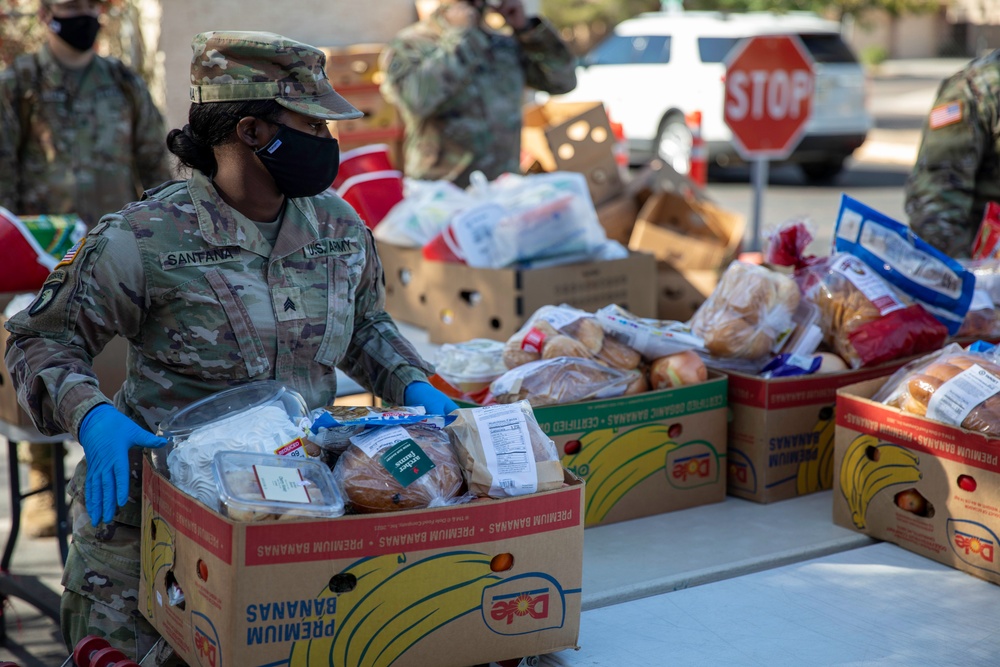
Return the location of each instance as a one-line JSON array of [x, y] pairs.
[[958, 166], [80, 135], [459, 86]]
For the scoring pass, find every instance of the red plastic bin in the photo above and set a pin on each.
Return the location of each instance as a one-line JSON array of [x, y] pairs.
[[362, 160], [373, 194]]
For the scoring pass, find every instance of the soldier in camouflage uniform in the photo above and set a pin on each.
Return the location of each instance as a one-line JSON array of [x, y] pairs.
[[459, 87], [249, 270], [958, 166], [80, 135]]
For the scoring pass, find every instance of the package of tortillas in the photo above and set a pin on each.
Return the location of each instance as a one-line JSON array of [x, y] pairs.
[[503, 451]]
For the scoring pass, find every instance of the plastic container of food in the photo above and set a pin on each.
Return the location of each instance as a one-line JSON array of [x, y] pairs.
[[263, 417], [261, 487], [471, 366]]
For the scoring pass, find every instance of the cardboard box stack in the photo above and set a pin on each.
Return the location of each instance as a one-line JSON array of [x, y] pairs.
[[650, 453], [354, 73], [455, 302], [781, 432], [693, 240], [572, 136], [460, 585], [927, 486]]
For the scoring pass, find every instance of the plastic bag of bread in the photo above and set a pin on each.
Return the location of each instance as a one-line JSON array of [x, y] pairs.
[[333, 425], [504, 452], [981, 321], [954, 386], [564, 331], [749, 314], [863, 318], [399, 467], [564, 380], [261, 487]]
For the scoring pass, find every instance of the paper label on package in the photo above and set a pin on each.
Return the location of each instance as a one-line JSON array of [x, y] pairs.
[[955, 399], [295, 449], [406, 462], [375, 440], [281, 484], [509, 456], [870, 283]]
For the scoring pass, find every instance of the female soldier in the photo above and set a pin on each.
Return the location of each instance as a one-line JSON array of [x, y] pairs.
[[251, 269]]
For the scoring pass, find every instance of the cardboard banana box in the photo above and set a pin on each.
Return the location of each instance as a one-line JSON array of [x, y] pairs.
[[452, 586], [931, 488], [781, 432], [650, 453]]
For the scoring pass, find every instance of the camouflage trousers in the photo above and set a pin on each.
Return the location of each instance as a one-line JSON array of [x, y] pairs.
[[101, 596]]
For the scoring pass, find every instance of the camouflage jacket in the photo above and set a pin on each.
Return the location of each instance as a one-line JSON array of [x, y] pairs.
[[460, 91], [88, 151], [958, 166], [206, 304]]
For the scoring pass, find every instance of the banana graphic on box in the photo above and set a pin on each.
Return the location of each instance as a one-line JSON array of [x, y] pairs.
[[158, 542], [600, 462], [393, 604], [817, 473], [869, 466]]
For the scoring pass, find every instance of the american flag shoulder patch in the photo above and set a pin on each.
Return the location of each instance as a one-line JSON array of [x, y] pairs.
[[71, 253], [945, 114]]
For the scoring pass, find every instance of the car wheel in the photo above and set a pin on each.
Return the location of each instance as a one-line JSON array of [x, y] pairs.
[[673, 144], [822, 172]]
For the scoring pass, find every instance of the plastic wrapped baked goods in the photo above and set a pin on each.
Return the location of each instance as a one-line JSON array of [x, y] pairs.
[[261, 417], [398, 468], [261, 487], [748, 314], [554, 331], [563, 331], [953, 386], [864, 319], [561, 380], [503, 451], [334, 425]]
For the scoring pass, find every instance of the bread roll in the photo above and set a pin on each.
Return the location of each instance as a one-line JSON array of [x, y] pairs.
[[618, 355], [369, 487], [589, 332], [751, 307], [563, 346]]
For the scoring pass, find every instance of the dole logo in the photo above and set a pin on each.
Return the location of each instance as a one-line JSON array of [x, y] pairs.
[[740, 472], [523, 604], [973, 542], [206, 641], [693, 464]]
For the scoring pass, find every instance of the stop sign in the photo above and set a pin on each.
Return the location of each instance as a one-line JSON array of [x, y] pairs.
[[769, 90]]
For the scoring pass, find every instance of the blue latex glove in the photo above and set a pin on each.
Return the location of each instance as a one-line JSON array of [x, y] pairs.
[[423, 393], [106, 436]]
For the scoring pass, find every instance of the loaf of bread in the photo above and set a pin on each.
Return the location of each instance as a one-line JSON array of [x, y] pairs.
[[368, 486], [561, 380], [920, 386], [555, 331], [747, 313], [504, 471]]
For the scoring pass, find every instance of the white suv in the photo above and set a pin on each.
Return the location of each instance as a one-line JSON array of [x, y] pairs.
[[655, 68]]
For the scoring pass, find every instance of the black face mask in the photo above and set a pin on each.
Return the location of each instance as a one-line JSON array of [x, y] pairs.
[[300, 164], [77, 31]]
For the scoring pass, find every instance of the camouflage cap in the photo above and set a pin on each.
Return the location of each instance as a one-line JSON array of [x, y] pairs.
[[229, 66]]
